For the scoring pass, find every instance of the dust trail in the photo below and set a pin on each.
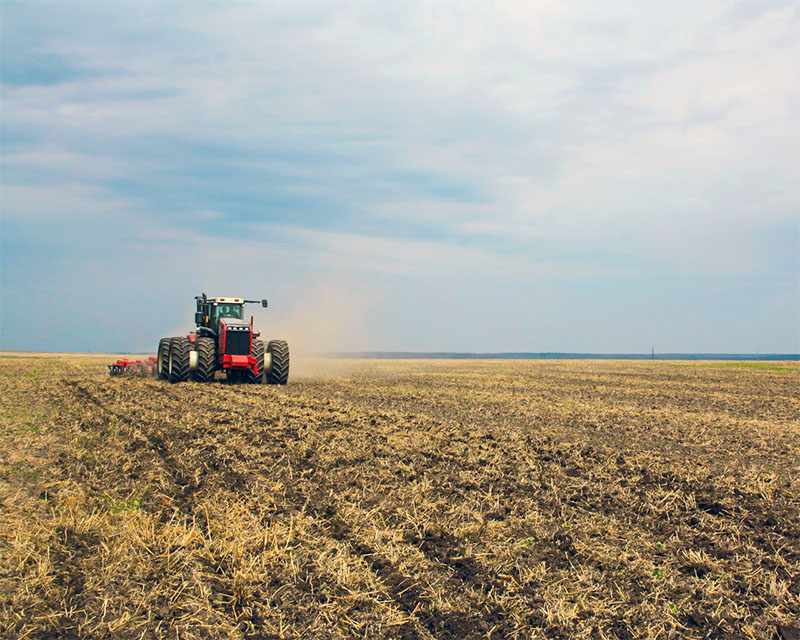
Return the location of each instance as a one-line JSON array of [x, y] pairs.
[[325, 316]]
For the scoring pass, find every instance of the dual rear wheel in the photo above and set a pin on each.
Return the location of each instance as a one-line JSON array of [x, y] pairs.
[[172, 362], [272, 362]]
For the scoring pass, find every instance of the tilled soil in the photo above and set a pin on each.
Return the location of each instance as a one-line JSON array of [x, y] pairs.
[[403, 499]]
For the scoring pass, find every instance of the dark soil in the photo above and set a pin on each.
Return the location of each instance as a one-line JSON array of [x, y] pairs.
[[469, 499]]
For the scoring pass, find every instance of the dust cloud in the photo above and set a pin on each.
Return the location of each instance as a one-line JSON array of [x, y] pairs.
[[325, 317]]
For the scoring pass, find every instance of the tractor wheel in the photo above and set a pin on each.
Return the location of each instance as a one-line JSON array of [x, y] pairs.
[[179, 359], [278, 372], [162, 364], [258, 353], [206, 360]]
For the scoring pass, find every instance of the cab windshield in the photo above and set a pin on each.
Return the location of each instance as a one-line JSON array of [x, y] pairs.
[[227, 311]]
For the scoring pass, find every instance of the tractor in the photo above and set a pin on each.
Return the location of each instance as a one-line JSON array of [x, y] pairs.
[[223, 342]]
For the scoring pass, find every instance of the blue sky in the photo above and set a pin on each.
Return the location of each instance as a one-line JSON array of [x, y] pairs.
[[466, 176]]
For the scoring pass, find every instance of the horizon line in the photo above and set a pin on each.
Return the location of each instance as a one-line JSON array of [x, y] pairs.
[[478, 355]]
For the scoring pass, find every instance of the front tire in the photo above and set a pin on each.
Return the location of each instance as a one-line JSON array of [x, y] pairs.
[[279, 368], [179, 359]]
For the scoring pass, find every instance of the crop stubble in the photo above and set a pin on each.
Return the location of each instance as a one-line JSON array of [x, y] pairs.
[[412, 499]]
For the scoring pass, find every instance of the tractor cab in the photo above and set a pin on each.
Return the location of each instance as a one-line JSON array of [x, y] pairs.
[[221, 308], [211, 310], [222, 332]]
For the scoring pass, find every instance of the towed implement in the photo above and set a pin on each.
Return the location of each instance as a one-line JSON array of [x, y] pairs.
[[145, 368], [223, 344]]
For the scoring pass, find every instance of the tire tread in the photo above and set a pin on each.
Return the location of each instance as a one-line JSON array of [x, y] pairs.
[[206, 359], [179, 352], [279, 371], [257, 351]]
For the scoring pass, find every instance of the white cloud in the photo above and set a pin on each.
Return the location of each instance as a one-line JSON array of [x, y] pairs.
[[524, 142]]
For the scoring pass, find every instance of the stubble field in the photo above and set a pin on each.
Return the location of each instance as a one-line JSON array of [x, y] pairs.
[[402, 499]]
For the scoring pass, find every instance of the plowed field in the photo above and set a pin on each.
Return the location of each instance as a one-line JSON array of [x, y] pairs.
[[403, 499]]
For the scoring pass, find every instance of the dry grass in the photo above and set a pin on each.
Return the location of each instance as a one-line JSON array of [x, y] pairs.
[[412, 499]]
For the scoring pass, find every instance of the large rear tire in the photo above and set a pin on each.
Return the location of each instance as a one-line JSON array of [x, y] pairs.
[[278, 372], [206, 359], [162, 365], [179, 359], [257, 351]]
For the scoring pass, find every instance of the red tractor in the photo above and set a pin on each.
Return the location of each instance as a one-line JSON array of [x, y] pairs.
[[223, 342]]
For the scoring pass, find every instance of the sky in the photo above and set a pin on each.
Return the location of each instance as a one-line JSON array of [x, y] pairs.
[[426, 176]]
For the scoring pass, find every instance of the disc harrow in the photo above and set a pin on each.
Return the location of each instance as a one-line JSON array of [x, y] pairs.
[[142, 368]]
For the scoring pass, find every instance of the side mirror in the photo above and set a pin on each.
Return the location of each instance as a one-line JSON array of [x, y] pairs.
[[198, 318], [264, 303]]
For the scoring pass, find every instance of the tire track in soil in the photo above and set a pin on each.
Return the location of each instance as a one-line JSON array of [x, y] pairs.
[[185, 486], [443, 550], [184, 501], [446, 549], [403, 590], [185, 489], [82, 543]]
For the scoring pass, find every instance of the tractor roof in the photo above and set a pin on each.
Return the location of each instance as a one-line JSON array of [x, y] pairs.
[[227, 300]]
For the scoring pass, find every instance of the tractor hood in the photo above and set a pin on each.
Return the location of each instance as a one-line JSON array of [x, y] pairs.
[[234, 322]]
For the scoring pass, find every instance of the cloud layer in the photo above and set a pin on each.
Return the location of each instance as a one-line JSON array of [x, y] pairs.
[[547, 176]]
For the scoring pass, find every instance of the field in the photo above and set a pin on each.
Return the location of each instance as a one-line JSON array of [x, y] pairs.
[[402, 499]]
